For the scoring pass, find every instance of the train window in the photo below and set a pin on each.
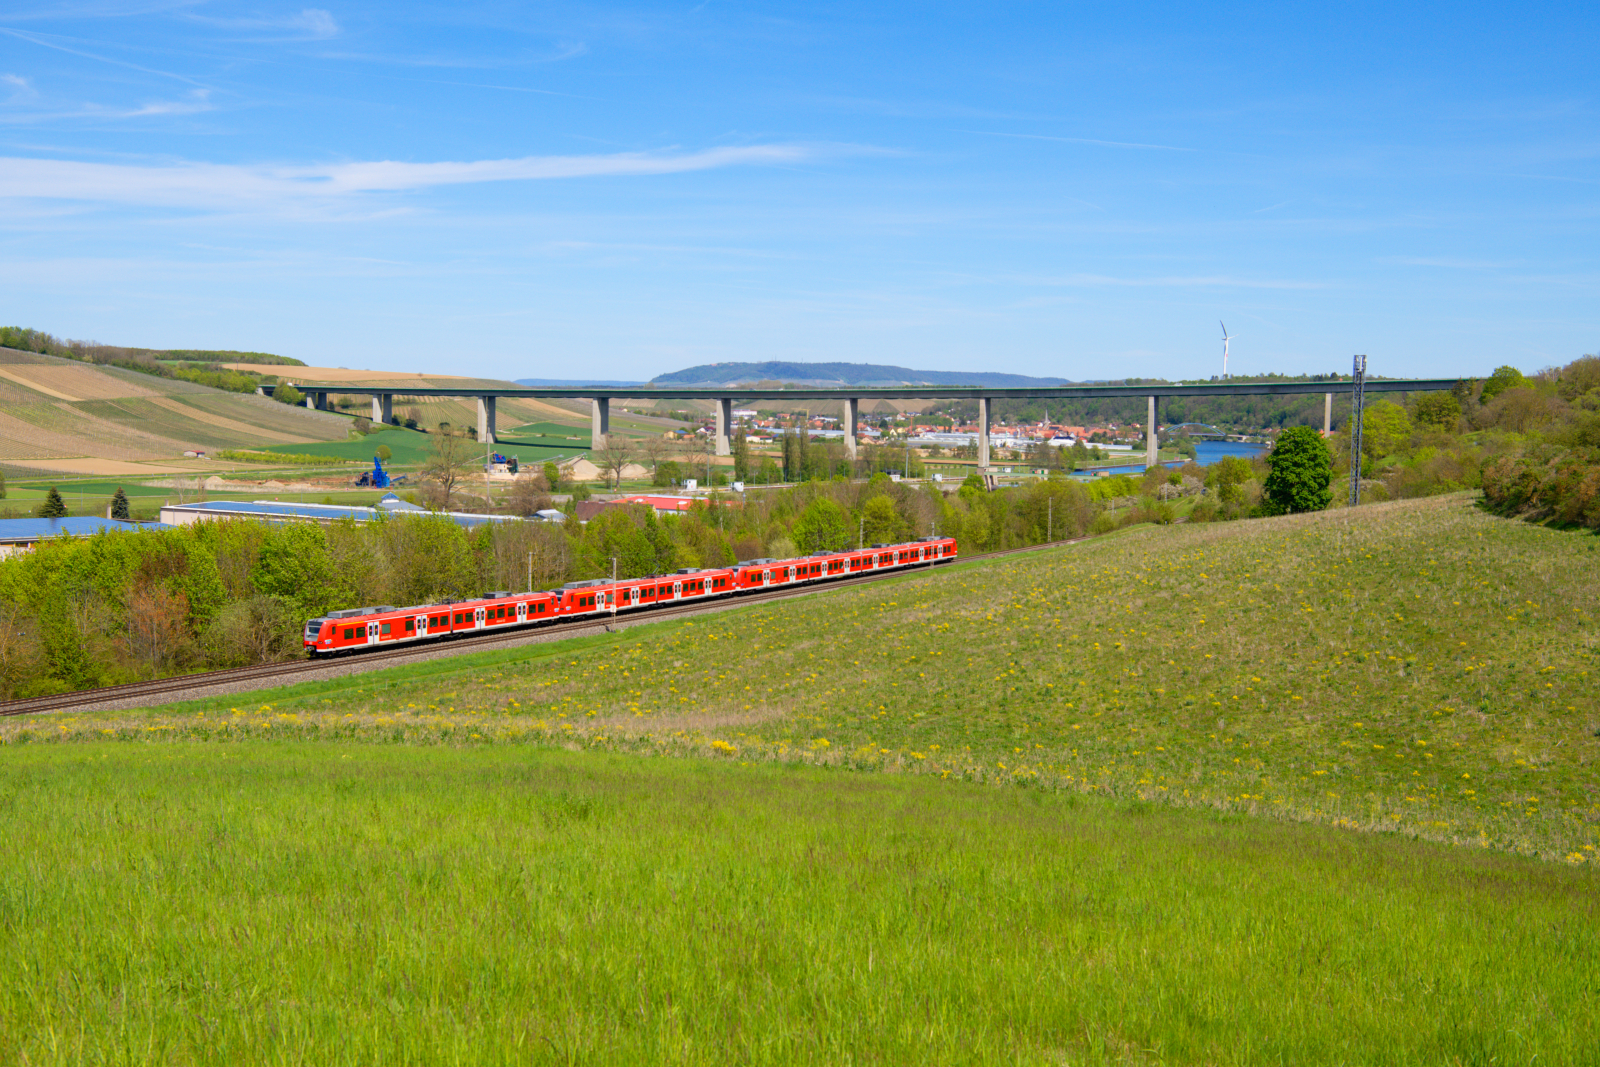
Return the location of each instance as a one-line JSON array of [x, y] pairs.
[[386, 629], [410, 626], [349, 633]]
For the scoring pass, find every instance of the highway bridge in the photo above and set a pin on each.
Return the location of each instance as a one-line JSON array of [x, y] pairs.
[[851, 397]]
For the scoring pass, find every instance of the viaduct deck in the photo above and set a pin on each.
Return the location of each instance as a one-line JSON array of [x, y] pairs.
[[851, 397]]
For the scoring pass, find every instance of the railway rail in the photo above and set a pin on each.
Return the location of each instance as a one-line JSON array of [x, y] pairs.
[[282, 672]]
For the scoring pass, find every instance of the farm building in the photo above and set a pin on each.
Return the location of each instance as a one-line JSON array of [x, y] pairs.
[[20, 535], [325, 514]]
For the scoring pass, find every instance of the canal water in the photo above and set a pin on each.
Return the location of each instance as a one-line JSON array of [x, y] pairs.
[[1206, 453]]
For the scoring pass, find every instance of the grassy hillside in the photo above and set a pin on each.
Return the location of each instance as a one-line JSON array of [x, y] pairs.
[[53, 409], [189, 903], [1418, 667]]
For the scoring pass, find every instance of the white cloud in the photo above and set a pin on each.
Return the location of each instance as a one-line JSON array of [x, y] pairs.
[[1219, 281], [214, 185], [310, 24]]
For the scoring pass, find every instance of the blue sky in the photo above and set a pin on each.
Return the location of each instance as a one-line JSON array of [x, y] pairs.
[[576, 190]]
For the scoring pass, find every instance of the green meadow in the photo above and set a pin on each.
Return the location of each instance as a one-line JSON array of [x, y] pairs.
[[334, 903], [1419, 667], [1316, 789]]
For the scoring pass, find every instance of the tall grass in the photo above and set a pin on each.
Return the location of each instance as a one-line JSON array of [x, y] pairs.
[[319, 903]]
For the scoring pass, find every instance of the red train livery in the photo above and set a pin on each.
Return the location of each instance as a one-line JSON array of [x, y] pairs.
[[363, 628]]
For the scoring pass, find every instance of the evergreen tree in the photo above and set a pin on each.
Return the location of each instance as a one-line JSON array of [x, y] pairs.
[[53, 507], [119, 505], [741, 455], [1302, 470]]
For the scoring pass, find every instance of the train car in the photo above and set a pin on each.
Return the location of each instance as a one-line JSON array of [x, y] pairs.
[[769, 573], [600, 595], [358, 629]]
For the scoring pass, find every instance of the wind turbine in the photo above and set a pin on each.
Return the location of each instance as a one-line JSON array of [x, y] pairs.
[[1226, 337]]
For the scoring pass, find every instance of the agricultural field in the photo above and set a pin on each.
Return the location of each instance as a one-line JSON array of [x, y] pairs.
[[196, 902], [76, 418]]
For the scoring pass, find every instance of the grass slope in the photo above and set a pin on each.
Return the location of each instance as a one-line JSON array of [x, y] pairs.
[[203, 903], [1418, 667]]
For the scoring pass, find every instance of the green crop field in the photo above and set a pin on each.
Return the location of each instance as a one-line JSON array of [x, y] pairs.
[[314, 903], [409, 447]]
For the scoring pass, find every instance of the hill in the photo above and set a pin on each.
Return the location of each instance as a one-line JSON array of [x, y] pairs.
[[65, 415], [831, 374]]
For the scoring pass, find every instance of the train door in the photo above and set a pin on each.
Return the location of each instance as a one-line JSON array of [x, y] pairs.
[[522, 611], [477, 618], [677, 590], [372, 633], [422, 625], [790, 574]]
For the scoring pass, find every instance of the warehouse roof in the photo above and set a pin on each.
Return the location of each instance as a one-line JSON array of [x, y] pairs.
[[14, 530], [286, 511]]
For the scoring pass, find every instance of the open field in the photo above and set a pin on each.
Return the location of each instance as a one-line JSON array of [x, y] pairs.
[[317, 903], [76, 418], [1418, 668]]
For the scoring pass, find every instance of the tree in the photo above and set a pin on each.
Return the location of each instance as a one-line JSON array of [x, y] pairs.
[[384, 453], [1227, 477], [614, 458], [452, 459], [1439, 410], [654, 450], [552, 475], [53, 507], [822, 527], [2, 485], [293, 564], [527, 495], [1502, 379], [288, 394], [697, 457], [741, 454], [157, 631], [1384, 429], [119, 505], [880, 522], [258, 629], [1302, 470]]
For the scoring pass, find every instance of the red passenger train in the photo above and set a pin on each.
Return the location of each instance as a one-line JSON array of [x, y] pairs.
[[359, 629]]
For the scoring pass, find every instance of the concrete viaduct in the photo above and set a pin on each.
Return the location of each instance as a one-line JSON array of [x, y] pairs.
[[851, 398]]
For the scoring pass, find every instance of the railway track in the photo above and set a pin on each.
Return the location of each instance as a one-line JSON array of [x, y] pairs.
[[280, 673]]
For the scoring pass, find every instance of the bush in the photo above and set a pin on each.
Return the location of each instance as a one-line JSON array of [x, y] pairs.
[[288, 394], [1562, 487]]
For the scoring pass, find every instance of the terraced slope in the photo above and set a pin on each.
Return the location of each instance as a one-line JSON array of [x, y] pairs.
[[58, 414]]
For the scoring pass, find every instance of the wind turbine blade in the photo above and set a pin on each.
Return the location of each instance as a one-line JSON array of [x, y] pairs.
[[1224, 327]]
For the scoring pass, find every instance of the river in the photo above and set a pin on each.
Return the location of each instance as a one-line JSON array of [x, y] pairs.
[[1206, 453]]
